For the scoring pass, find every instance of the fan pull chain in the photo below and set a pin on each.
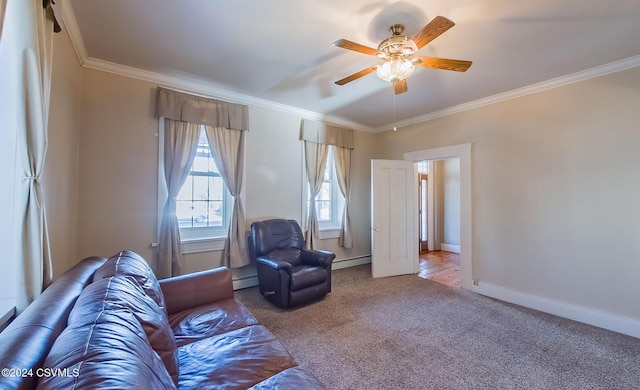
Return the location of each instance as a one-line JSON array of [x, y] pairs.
[[394, 109]]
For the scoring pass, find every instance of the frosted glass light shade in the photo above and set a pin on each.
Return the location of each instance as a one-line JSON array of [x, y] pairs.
[[395, 69]]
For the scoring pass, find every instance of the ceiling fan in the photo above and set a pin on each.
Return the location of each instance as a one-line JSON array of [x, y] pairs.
[[398, 51]]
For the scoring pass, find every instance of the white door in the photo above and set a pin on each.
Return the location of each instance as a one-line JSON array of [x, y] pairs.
[[394, 201]]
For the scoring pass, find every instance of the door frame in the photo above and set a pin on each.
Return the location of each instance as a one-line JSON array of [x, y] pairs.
[[464, 153]]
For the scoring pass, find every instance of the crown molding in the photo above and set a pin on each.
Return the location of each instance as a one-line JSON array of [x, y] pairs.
[[70, 24], [587, 74]]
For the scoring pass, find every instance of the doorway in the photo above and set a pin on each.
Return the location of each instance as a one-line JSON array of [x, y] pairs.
[[463, 152], [439, 220]]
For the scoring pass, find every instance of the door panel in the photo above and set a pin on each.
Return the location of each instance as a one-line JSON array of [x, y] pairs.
[[394, 199]]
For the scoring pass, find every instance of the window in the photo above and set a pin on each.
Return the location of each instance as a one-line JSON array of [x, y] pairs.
[[202, 205], [329, 202], [423, 166]]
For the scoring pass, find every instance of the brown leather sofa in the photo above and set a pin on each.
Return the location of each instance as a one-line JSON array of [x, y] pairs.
[[108, 323]]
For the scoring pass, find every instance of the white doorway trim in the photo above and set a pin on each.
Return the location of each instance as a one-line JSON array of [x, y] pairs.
[[463, 152]]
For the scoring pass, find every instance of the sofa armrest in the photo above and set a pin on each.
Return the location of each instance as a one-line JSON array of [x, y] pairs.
[[274, 263], [196, 289], [317, 257]]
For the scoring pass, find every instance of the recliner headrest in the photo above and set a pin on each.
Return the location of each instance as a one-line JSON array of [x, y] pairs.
[[276, 234]]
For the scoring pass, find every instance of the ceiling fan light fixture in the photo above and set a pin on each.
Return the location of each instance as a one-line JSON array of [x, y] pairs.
[[395, 69], [397, 53], [396, 45]]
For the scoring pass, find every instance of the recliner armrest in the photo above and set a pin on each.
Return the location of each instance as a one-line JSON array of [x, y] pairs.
[[317, 257], [274, 263], [196, 289]]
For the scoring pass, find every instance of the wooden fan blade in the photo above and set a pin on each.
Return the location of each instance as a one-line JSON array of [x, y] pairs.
[[355, 76], [346, 44], [432, 30], [442, 63], [400, 86]]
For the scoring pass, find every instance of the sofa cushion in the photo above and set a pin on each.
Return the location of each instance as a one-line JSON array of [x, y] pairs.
[[209, 320], [111, 352], [291, 378], [128, 263], [124, 292], [233, 360]]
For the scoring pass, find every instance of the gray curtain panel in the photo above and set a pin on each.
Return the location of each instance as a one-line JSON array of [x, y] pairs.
[[315, 158], [343, 173], [180, 146], [33, 49], [228, 152]]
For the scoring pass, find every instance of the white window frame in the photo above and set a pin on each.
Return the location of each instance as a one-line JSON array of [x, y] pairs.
[[197, 239], [328, 229]]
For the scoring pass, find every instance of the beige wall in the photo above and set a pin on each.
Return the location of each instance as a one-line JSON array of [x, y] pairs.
[[60, 177], [556, 179], [118, 173], [118, 166]]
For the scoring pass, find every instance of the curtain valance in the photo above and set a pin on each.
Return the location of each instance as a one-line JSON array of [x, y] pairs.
[[326, 134], [195, 109]]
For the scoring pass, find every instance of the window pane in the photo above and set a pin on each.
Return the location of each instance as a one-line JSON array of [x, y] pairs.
[[183, 212], [327, 171], [186, 192], [216, 194], [200, 188], [200, 213], [325, 192], [216, 187], [423, 167], [201, 162], [323, 208]]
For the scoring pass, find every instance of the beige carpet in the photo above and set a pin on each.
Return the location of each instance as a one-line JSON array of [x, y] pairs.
[[409, 333]]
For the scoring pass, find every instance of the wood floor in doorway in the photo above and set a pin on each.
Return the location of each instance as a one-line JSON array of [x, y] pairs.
[[441, 267]]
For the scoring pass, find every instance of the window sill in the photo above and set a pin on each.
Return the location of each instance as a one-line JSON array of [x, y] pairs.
[[324, 234]]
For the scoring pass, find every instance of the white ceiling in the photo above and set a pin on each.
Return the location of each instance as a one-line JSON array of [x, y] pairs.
[[280, 51]]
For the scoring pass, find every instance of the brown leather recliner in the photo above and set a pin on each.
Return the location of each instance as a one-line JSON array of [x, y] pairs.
[[288, 274]]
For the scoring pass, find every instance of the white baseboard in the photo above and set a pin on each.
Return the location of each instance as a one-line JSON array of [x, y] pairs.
[[252, 281], [450, 248], [587, 315], [245, 282], [351, 262]]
